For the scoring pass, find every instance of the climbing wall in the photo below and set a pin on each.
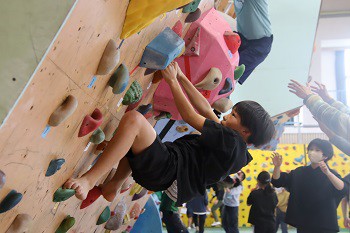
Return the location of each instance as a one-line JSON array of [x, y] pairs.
[[27, 144]]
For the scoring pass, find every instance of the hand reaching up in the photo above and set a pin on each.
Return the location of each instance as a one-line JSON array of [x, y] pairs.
[[276, 159], [170, 73], [321, 90], [299, 90]]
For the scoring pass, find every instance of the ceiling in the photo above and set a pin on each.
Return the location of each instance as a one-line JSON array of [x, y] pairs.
[[335, 6]]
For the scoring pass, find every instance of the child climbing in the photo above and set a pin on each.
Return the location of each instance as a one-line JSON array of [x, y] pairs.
[[194, 161], [263, 201], [315, 190]]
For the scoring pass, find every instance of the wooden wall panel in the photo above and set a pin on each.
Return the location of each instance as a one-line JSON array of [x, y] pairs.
[[68, 69]]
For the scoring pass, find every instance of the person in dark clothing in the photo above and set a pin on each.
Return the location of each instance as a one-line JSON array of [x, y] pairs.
[[191, 162], [199, 206], [315, 190], [170, 215], [219, 194], [263, 201]]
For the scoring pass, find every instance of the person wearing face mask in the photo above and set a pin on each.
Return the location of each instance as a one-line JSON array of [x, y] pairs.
[[315, 190]]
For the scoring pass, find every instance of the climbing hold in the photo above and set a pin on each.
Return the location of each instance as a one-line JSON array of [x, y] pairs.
[[92, 196], [106, 213], [192, 49], [110, 58], [149, 71], [54, 166], [126, 219], [97, 136], [135, 211], [222, 105], [227, 87], [191, 17], [211, 81], [139, 195], [126, 185], [10, 201], [63, 111], [163, 115], [143, 109], [239, 71], [119, 79], [139, 16], [109, 129], [191, 7], [66, 224], [182, 128], [101, 147], [117, 220], [90, 123], [177, 28], [133, 95], [157, 77], [162, 50], [135, 189], [2, 179], [232, 40], [63, 194], [20, 224]]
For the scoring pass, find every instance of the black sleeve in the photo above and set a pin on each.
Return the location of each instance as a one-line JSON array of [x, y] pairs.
[[251, 198], [283, 181], [206, 199], [275, 199], [218, 137]]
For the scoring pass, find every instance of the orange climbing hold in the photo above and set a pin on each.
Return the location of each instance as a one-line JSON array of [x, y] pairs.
[[233, 41]]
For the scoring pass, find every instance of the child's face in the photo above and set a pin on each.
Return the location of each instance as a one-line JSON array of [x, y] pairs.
[[233, 121], [315, 154]]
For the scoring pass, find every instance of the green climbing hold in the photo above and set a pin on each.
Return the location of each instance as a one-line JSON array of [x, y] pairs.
[[133, 95], [239, 71], [163, 115], [191, 7], [119, 79], [63, 194], [104, 216], [98, 136], [66, 224]]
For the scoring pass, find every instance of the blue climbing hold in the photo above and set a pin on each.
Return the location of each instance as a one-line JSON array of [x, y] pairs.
[[227, 87], [54, 166], [10, 201]]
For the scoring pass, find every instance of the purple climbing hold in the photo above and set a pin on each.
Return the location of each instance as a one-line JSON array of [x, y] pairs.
[[2, 179], [139, 195], [227, 87]]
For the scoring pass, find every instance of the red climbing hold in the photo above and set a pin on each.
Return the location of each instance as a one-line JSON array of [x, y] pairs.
[[178, 28], [233, 41], [92, 196], [90, 123]]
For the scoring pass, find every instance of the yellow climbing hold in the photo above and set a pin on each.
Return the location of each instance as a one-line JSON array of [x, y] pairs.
[[142, 13]]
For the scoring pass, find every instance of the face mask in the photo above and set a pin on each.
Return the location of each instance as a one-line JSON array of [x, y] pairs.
[[278, 190], [315, 156]]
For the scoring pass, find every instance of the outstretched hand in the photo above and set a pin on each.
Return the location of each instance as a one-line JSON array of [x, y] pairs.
[[170, 73], [321, 90], [276, 159], [299, 90]]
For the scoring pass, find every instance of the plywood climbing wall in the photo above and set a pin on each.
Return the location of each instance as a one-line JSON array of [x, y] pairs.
[[27, 146]]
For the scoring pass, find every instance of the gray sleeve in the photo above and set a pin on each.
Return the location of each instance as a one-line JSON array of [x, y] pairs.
[[341, 144]]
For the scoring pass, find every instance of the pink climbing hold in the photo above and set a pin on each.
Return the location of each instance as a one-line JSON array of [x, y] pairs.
[[233, 41], [178, 28], [192, 49], [91, 123]]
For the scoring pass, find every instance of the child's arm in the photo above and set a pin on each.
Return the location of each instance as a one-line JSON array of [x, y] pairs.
[[344, 208], [337, 183], [184, 107], [197, 99]]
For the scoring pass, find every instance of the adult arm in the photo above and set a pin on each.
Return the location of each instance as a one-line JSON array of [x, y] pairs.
[[336, 181], [345, 211], [250, 199]]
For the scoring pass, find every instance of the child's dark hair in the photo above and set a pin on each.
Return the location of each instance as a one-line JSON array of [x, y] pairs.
[[264, 178], [324, 145], [243, 178], [257, 120]]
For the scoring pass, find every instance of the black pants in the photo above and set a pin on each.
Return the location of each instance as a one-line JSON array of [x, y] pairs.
[[173, 222], [280, 220], [313, 231], [265, 228], [230, 219], [199, 220]]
